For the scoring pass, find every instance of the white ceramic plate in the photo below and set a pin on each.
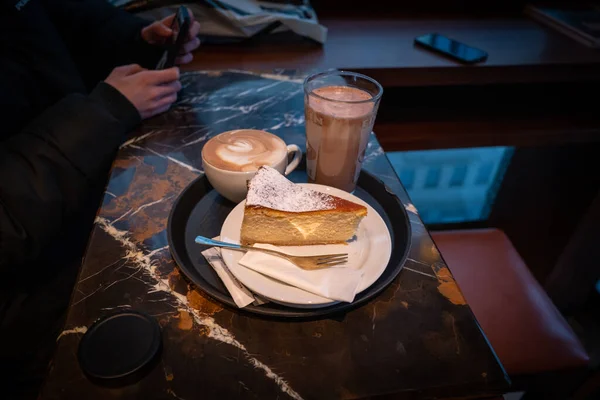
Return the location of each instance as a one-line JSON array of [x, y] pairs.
[[370, 250]]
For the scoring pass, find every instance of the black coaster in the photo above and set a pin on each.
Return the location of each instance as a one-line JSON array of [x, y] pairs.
[[120, 349]]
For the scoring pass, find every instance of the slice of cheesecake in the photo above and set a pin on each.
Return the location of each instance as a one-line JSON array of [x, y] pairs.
[[280, 212]]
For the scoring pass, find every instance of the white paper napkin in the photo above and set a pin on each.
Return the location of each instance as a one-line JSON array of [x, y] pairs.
[[336, 283], [240, 293]]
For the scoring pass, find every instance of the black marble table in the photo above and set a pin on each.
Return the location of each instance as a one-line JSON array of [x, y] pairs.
[[418, 338]]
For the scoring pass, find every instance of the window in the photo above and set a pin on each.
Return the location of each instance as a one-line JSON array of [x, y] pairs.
[[453, 185], [432, 179], [407, 177], [459, 173]]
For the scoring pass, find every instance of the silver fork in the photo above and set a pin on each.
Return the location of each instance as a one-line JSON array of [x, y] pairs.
[[305, 262]]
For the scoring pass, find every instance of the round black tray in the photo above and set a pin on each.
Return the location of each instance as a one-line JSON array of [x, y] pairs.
[[200, 210]]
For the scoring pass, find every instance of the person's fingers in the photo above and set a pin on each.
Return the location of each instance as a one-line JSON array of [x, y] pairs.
[[156, 33], [168, 20], [184, 59], [166, 100], [153, 111], [159, 77], [165, 90], [146, 114], [194, 29], [159, 110], [189, 46], [161, 30], [130, 69]]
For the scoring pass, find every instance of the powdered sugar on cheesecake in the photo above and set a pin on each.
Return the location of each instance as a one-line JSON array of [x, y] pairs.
[[270, 189]]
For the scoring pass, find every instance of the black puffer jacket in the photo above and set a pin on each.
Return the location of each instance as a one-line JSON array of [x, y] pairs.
[[60, 125]]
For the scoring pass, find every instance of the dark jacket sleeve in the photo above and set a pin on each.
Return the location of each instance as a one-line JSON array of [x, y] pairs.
[[101, 37], [47, 169]]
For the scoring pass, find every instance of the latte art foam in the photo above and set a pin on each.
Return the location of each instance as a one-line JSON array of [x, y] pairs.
[[244, 150]]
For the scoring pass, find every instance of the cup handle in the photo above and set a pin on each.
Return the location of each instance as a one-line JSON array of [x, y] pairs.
[[292, 148]]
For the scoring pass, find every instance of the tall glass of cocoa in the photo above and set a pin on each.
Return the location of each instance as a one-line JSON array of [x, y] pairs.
[[340, 109]]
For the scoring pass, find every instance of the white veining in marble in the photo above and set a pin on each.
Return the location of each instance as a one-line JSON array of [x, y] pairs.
[[372, 154], [120, 217], [101, 271], [289, 119], [138, 138], [270, 85], [293, 93], [144, 206], [77, 329], [418, 262], [258, 74], [116, 307], [419, 272], [199, 139], [156, 251], [193, 99], [411, 208], [146, 264], [176, 161]]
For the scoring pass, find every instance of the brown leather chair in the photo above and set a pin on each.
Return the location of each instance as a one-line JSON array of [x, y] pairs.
[[528, 333]]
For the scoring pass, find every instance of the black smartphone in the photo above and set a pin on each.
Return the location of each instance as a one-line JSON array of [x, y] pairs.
[[451, 48], [180, 28]]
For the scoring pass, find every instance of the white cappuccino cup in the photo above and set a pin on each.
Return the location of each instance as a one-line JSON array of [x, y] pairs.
[[232, 158]]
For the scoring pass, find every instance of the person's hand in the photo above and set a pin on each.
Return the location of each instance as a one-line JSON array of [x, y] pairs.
[[158, 32], [151, 92]]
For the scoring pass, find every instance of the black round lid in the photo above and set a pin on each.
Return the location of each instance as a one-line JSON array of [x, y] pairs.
[[120, 348]]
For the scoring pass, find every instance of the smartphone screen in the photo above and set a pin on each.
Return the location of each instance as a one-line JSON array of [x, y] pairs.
[[452, 48], [180, 28], [175, 28]]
